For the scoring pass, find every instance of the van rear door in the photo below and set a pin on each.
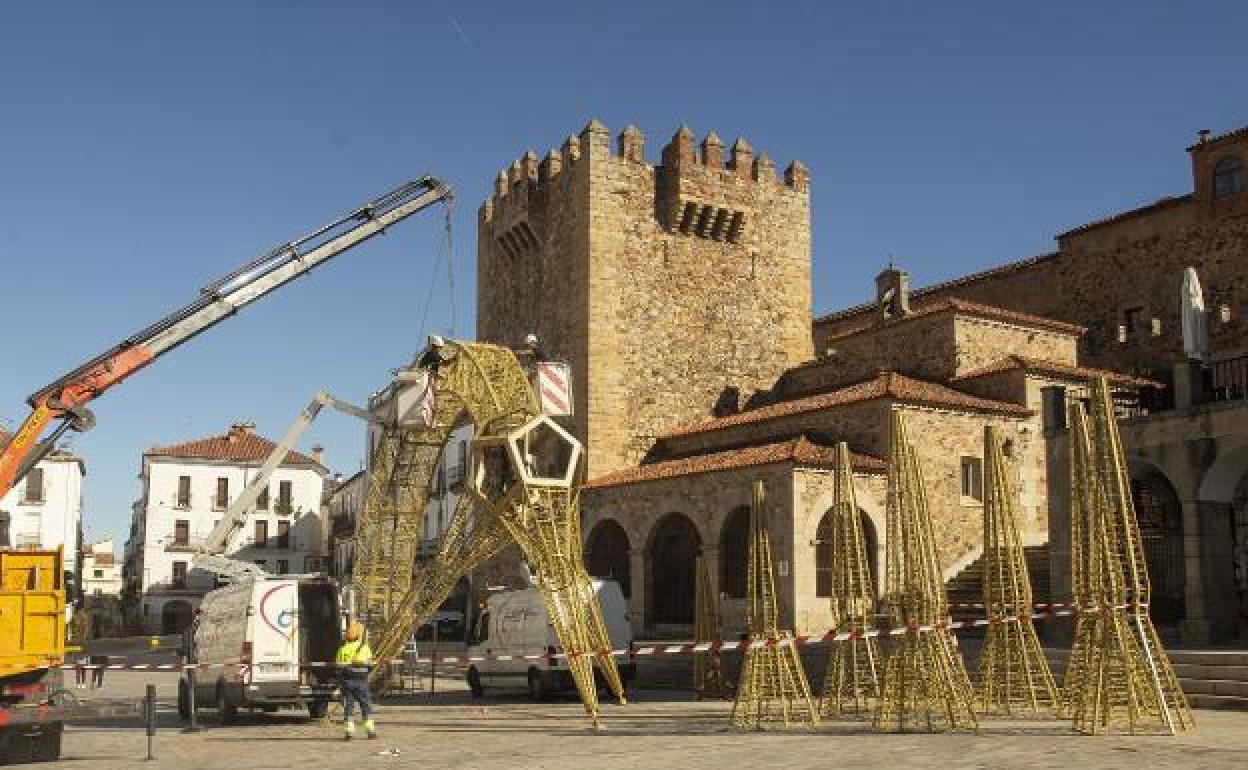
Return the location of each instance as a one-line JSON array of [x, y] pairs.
[[275, 631]]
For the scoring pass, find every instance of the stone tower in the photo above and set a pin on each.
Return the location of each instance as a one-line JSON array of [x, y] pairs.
[[672, 289]]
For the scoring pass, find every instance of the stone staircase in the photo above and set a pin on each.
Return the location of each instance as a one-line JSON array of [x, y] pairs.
[[1211, 679], [967, 587]]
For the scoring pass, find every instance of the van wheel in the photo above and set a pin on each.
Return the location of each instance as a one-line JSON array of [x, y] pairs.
[[317, 709], [47, 747], [184, 701], [474, 682], [537, 688], [227, 712]]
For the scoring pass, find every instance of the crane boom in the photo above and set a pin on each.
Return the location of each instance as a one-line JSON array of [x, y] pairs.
[[66, 398], [210, 555]]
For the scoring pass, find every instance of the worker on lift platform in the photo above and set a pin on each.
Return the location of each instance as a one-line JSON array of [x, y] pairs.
[[355, 660]]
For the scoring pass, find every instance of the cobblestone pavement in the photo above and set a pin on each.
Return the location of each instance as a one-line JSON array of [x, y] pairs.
[[659, 729]]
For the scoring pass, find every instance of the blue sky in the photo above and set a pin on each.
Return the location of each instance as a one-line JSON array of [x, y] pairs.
[[148, 147]]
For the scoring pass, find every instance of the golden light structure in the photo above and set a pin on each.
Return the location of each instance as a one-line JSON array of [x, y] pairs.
[[773, 689], [851, 682], [925, 682], [707, 665], [1125, 679], [1014, 674], [524, 489]]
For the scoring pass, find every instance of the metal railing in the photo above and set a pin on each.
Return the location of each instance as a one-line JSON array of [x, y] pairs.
[[1228, 378]]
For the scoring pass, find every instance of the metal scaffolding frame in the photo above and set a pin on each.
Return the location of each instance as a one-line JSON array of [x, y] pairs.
[[1013, 671], [524, 482], [925, 682], [773, 689], [851, 682]]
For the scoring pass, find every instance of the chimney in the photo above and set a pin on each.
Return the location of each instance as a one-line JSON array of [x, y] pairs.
[[240, 429], [892, 293], [1202, 136], [318, 454]]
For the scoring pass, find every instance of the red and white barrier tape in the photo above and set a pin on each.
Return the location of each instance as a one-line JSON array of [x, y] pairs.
[[687, 648]]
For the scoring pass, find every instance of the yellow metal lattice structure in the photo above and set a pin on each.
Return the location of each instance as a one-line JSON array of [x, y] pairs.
[[925, 682], [707, 666], [1014, 674], [1124, 679], [851, 682], [524, 484], [773, 689]]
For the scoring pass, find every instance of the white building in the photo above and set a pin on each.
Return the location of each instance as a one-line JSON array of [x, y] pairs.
[[342, 510], [101, 572], [448, 480], [101, 589], [44, 510], [186, 490]]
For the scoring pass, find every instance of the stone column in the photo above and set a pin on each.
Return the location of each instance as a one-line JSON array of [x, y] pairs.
[[1209, 595], [637, 584]]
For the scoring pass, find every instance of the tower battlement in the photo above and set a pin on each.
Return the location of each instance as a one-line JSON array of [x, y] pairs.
[[698, 189]]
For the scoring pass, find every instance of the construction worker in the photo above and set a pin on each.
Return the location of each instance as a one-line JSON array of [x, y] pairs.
[[355, 660]]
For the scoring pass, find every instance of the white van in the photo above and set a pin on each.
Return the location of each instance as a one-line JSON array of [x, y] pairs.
[[515, 623], [266, 630]]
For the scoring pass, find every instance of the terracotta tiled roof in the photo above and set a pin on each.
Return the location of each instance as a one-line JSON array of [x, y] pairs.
[[800, 451], [238, 446], [917, 294], [891, 385], [963, 307], [1161, 204], [1040, 366]]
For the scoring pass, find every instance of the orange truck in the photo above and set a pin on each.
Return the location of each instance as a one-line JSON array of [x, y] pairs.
[[32, 648]]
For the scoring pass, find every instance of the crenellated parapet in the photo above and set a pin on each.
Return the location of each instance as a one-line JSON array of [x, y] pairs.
[[699, 189]]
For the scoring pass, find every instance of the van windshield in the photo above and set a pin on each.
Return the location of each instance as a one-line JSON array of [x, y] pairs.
[[481, 633]]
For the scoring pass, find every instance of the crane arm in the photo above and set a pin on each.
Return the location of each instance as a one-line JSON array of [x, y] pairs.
[[66, 398], [210, 555]]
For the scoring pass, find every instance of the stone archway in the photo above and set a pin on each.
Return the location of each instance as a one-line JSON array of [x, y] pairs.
[[671, 563], [607, 554], [176, 616], [824, 556], [734, 553], [1160, 516]]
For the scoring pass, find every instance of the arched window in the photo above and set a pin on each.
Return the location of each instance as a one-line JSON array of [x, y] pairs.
[[606, 555], [823, 556], [823, 552], [1229, 177], [734, 553]]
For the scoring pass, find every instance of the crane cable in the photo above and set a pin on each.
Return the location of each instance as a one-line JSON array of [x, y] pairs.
[[450, 260]]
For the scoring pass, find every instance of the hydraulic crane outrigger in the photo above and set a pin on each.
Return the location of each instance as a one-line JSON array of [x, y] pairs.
[[66, 398]]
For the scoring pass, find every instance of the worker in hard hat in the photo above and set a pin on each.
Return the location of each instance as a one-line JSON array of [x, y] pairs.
[[355, 660]]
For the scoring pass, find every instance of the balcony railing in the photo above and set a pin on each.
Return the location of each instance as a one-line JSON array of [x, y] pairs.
[[1228, 378]]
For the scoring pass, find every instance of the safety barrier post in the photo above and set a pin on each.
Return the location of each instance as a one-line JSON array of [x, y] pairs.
[[193, 726], [150, 713]]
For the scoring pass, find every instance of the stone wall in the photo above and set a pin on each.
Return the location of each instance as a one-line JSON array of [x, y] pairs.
[[980, 342], [924, 347], [942, 439], [662, 285]]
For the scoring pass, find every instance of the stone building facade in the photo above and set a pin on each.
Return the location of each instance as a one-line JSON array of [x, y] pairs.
[[1121, 277], [665, 286], [680, 294]]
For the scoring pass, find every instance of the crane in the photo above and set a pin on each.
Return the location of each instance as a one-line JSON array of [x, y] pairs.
[[66, 398], [210, 555]]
